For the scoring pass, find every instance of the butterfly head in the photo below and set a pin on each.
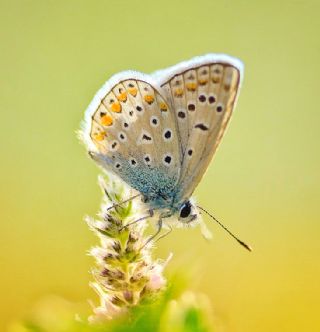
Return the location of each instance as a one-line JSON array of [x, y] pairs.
[[187, 212]]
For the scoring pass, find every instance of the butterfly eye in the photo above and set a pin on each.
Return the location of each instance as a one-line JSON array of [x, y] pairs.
[[185, 210]]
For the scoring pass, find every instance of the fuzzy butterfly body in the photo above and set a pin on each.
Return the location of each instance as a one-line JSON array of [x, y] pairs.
[[159, 132]]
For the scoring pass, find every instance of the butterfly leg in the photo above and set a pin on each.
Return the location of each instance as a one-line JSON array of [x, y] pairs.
[[155, 234], [164, 235], [151, 213], [160, 223], [123, 202]]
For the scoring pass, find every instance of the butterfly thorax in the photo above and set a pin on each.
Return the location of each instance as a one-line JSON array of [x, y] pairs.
[[160, 202], [183, 210]]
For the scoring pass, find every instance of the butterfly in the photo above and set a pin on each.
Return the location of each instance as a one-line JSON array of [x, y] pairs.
[[159, 132]]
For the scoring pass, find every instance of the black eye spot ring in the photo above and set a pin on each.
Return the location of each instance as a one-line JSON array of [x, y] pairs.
[[219, 108], [167, 159], [191, 107], [122, 136], [114, 145], [167, 135], [154, 121], [133, 162], [211, 99], [202, 98], [147, 159]]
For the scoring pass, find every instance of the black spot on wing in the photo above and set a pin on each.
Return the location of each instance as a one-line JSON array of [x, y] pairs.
[[146, 137], [201, 126]]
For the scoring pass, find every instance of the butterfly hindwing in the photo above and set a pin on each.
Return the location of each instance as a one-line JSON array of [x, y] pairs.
[[134, 134], [204, 90]]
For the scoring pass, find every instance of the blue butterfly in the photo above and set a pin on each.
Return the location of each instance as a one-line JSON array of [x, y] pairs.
[[159, 132]]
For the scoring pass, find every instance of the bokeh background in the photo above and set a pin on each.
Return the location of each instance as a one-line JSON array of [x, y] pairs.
[[263, 183]]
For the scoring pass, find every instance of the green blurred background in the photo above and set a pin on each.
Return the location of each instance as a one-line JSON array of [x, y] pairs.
[[263, 183]]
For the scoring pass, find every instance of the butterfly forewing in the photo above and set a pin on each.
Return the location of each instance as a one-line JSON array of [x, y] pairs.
[[206, 95], [134, 131]]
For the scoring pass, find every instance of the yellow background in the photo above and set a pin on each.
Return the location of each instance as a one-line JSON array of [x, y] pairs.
[[263, 183]]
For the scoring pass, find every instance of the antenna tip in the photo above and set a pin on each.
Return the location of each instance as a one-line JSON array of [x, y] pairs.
[[249, 248]]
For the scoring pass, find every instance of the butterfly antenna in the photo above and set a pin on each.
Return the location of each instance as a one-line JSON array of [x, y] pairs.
[[226, 229]]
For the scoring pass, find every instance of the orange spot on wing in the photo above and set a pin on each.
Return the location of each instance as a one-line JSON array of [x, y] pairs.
[[116, 107], [203, 81], [163, 107], [191, 86], [178, 92], [149, 99], [106, 120], [100, 136], [216, 79], [133, 91], [227, 87], [122, 96]]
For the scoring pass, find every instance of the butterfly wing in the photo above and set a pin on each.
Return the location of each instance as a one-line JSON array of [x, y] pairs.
[[203, 92], [130, 130]]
